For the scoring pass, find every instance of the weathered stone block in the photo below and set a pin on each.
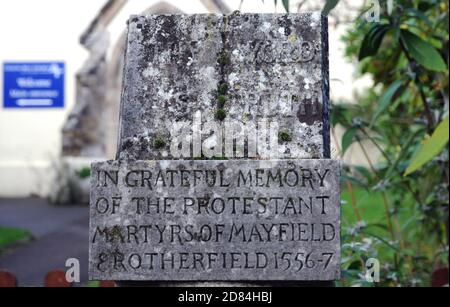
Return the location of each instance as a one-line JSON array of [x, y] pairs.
[[215, 220], [193, 82], [243, 68]]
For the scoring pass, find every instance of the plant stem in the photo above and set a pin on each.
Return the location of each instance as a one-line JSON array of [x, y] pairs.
[[387, 209], [383, 194], [412, 65], [383, 152]]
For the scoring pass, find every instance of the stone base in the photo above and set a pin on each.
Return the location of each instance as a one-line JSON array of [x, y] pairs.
[[148, 284]]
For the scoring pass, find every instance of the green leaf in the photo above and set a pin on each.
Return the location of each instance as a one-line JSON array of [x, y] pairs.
[[341, 115], [347, 138], [329, 5], [286, 5], [387, 242], [419, 15], [430, 147], [364, 172], [386, 99], [404, 151], [423, 52], [372, 41], [425, 5], [443, 21]]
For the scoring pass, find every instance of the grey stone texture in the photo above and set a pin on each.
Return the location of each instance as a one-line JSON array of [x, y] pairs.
[[240, 68], [275, 66], [215, 220], [82, 134]]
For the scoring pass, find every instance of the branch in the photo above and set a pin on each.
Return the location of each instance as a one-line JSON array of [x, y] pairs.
[[412, 65]]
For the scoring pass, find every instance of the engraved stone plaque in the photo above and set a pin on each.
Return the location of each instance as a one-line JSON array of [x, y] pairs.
[[215, 220]]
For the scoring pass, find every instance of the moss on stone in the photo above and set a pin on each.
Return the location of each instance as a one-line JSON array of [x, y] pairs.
[[223, 59], [285, 136], [222, 89], [159, 143], [221, 101], [221, 114]]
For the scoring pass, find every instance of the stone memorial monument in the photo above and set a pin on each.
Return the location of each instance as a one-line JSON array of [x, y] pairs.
[[223, 169]]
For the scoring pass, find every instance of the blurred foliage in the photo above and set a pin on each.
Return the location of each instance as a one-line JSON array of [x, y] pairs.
[[83, 173], [396, 210], [10, 236], [93, 284]]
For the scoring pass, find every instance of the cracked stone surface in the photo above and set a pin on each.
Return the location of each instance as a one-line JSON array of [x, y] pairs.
[[275, 67], [189, 71]]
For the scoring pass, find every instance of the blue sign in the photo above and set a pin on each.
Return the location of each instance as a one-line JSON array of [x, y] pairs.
[[33, 84]]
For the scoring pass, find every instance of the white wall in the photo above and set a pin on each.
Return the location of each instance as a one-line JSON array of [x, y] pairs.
[[30, 139], [34, 30]]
